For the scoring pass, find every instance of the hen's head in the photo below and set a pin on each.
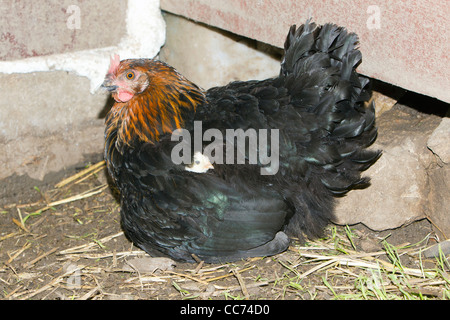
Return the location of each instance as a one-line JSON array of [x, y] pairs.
[[151, 98], [126, 79]]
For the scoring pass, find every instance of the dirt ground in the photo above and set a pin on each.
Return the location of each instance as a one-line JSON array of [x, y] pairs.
[[65, 242]]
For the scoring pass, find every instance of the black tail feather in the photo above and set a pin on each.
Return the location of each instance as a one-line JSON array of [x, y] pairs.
[[319, 68]]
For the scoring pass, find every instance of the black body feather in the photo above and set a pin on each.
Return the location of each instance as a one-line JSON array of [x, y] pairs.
[[232, 212]]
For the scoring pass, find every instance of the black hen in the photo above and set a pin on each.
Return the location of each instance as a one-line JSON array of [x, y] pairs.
[[234, 211]]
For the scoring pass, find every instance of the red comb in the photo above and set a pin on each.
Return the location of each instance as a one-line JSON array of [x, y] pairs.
[[114, 64]]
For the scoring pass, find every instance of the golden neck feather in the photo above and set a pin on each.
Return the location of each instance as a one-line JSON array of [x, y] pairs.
[[155, 111]]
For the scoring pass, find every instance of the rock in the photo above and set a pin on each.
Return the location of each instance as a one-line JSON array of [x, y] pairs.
[[148, 264], [434, 251], [74, 279], [439, 141], [400, 184], [439, 198], [383, 102], [385, 96]]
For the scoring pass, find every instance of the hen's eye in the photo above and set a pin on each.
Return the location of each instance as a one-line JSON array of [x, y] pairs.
[[130, 75]]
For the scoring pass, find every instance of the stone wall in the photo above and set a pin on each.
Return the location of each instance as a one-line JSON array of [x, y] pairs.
[[53, 58]]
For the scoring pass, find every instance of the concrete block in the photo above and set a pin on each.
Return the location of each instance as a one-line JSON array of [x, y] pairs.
[[50, 108], [37, 28], [404, 43], [210, 57], [145, 34], [48, 121]]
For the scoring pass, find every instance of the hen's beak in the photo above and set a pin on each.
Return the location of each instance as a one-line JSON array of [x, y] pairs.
[[108, 85], [109, 88]]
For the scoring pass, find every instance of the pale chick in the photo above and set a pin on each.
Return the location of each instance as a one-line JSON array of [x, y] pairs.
[[201, 163]]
